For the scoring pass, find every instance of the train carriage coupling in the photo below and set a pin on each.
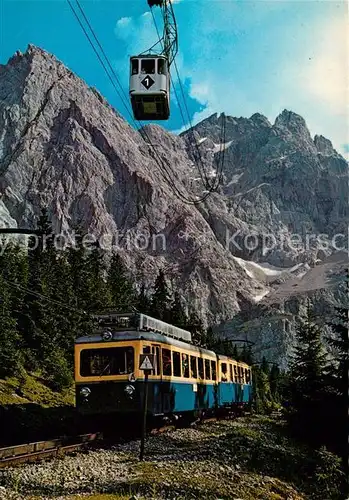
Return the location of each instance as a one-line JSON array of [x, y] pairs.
[[150, 87]]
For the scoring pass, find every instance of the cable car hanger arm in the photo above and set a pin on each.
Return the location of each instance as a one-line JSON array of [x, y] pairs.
[[170, 37]]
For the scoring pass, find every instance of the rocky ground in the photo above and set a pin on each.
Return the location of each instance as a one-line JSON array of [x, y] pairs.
[[247, 459]]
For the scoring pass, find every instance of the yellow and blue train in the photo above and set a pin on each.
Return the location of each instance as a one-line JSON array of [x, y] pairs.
[[186, 381]]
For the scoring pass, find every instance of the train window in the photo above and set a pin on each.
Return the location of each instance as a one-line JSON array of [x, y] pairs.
[[231, 372], [236, 374], [248, 376], [207, 369], [176, 364], [193, 367], [213, 370], [201, 368], [148, 66], [166, 362], [106, 361], [157, 360], [239, 375], [224, 372], [161, 66], [146, 349], [134, 66], [185, 365]]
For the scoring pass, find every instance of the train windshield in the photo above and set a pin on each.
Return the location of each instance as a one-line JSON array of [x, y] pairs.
[[107, 361]]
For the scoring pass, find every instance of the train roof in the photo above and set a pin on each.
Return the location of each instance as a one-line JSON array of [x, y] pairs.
[[128, 335], [142, 335]]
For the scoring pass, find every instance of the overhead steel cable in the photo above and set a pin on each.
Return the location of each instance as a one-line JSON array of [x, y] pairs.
[[204, 177], [99, 57], [142, 131], [43, 297]]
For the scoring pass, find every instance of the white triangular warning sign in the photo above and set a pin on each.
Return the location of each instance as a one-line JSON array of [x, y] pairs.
[[146, 364]]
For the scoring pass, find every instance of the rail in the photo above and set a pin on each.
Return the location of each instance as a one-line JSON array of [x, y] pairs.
[[13, 455]]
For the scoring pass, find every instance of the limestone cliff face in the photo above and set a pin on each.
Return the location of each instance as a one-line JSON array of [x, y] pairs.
[[64, 147]]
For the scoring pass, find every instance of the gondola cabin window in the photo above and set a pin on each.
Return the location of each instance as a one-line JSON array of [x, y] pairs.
[[106, 361], [193, 367], [134, 66], [166, 362], [148, 66], [161, 67]]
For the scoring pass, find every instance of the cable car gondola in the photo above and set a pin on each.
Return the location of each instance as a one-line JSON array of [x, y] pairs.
[[149, 87], [150, 73]]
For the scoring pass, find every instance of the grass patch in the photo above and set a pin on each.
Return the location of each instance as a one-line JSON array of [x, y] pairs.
[[31, 388], [31, 411]]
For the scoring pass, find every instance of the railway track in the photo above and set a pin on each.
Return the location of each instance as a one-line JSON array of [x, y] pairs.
[[14, 455]]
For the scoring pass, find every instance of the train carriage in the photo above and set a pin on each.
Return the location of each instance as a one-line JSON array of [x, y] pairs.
[[187, 380]]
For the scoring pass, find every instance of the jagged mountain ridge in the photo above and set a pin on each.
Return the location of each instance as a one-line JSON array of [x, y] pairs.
[[64, 147]]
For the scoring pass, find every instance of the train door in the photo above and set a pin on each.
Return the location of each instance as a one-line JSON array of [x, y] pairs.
[[154, 395], [225, 384]]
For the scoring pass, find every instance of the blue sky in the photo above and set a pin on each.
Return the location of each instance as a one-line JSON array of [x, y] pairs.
[[239, 57]]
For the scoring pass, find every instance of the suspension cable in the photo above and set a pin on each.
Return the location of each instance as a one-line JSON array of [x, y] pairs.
[[142, 131]]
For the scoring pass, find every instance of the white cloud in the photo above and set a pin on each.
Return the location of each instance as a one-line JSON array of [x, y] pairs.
[[123, 21], [325, 77]]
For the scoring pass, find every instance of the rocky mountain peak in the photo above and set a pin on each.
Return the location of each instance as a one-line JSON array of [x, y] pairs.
[[260, 120], [323, 145]]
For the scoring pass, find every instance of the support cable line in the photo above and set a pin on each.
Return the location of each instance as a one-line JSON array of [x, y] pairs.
[[214, 186], [98, 56], [169, 175], [43, 297], [202, 172]]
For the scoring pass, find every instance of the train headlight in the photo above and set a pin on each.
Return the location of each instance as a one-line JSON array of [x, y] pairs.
[[107, 335], [85, 392], [129, 391]]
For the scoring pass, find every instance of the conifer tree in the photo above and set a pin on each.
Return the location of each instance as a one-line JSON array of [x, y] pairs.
[[100, 296], [32, 318], [123, 295], [338, 380], [161, 301], [9, 337], [196, 327], [274, 379], [307, 381], [235, 353], [143, 302], [177, 313]]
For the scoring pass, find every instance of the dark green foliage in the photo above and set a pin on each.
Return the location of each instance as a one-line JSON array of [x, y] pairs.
[[246, 354], [9, 337], [197, 329], [123, 295], [143, 303], [161, 300], [338, 381], [262, 397], [177, 313], [307, 397], [274, 380]]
